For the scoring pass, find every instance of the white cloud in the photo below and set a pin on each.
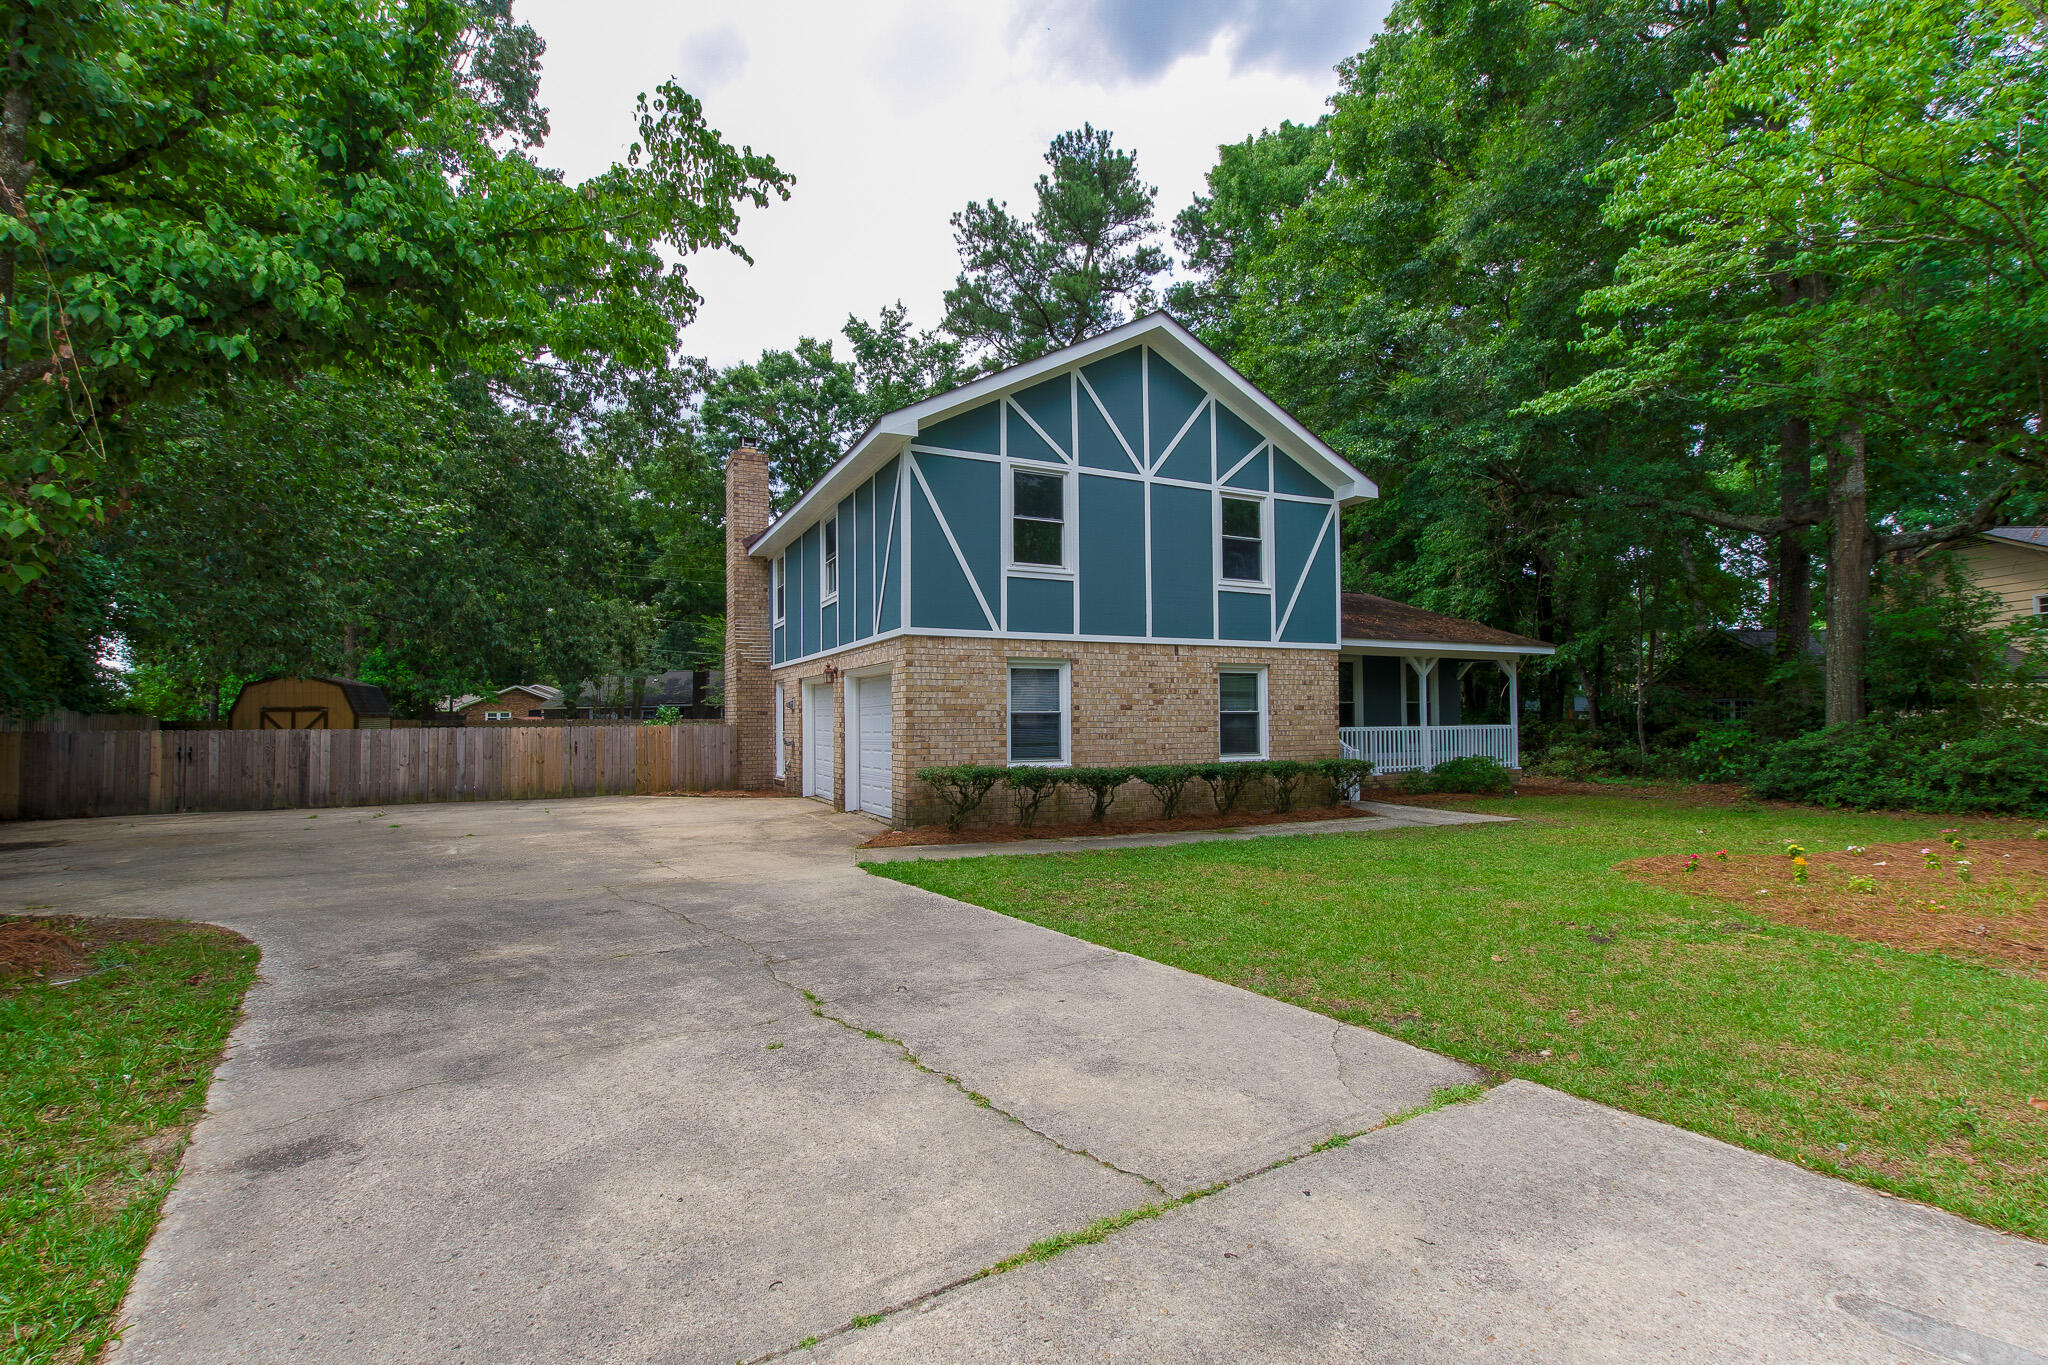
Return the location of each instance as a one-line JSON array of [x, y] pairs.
[[892, 115]]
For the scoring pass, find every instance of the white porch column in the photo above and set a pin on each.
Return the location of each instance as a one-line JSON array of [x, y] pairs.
[[1514, 669]]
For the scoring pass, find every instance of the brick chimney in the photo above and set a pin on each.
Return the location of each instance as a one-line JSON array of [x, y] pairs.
[[749, 697]]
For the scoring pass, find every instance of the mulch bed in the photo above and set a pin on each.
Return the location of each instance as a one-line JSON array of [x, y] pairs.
[[64, 945], [1999, 915], [1005, 834]]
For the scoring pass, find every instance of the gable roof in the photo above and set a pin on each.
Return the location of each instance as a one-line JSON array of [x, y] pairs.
[[2033, 537], [1382, 620], [893, 431]]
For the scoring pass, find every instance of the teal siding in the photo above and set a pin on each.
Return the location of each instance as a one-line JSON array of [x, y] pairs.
[[976, 429], [1119, 382], [943, 597], [1051, 406], [1183, 568], [1289, 477], [1244, 616], [1112, 558], [1313, 619], [1253, 476], [1041, 606], [1111, 426], [1190, 457]]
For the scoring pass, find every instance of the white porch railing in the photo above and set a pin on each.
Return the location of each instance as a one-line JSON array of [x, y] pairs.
[[1403, 748]]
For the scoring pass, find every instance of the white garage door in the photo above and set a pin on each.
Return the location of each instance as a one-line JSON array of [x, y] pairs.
[[818, 740], [877, 754]]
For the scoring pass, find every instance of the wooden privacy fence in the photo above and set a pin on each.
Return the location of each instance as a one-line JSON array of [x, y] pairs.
[[52, 775]]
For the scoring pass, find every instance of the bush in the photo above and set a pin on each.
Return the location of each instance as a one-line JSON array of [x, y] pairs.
[[1723, 753], [1101, 784], [1227, 781], [1032, 786], [961, 789], [1904, 765], [1345, 774], [1475, 774], [1169, 782], [1287, 774]]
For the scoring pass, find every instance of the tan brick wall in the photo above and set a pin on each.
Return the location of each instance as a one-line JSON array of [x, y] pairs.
[[1131, 704], [748, 701]]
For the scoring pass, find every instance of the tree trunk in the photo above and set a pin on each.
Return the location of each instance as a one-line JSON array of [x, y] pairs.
[[1793, 600], [1848, 576]]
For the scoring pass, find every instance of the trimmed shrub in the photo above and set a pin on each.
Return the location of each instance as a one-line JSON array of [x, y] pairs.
[[1169, 782], [1227, 781], [1723, 753], [1032, 785], [1345, 774], [961, 789], [1101, 784], [1908, 766], [1474, 773], [1287, 775]]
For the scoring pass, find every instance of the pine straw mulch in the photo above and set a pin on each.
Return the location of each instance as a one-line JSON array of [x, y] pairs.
[[65, 945], [1069, 829], [1999, 915]]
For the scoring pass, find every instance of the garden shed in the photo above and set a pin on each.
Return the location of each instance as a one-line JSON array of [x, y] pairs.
[[293, 703]]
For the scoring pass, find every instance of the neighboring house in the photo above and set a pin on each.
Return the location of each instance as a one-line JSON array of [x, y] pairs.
[[520, 701], [1118, 553], [291, 703], [1729, 669], [689, 691], [2011, 563]]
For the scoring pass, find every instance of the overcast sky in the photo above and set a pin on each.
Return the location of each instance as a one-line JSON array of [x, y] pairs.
[[893, 114]]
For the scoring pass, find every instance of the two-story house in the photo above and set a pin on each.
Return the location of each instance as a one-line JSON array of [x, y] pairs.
[[1121, 552]]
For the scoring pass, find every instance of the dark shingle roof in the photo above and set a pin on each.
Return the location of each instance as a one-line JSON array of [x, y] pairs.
[[1367, 617], [2035, 536]]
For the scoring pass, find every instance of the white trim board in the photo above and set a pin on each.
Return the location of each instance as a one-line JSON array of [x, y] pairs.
[[1440, 647]]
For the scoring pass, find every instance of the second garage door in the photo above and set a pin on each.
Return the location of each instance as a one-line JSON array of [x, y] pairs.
[[877, 750]]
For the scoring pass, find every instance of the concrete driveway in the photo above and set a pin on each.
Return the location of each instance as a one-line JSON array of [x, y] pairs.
[[647, 1079]]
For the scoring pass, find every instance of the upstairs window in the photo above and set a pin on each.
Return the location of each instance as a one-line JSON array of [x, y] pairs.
[[830, 580], [1038, 519], [1038, 713], [1241, 712], [1244, 540], [778, 578]]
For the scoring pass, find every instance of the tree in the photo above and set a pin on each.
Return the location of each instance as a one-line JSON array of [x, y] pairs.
[[1838, 225], [1081, 262], [803, 407], [1408, 274], [191, 193]]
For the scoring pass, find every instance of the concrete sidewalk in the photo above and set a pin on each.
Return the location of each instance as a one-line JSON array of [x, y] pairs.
[[673, 1080], [1383, 816]]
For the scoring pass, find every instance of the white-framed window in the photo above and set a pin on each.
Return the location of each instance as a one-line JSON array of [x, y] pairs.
[[1040, 712], [781, 762], [497, 715], [1039, 536], [1242, 557], [828, 580], [778, 588], [2041, 604], [1241, 712]]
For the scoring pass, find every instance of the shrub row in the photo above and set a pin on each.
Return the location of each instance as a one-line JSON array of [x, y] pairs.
[[1908, 766], [962, 789]]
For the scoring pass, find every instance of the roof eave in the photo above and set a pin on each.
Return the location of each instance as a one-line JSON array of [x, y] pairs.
[[1532, 649]]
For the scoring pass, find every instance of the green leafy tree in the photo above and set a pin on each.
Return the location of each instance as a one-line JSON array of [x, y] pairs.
[[804, 406], [1839, 226], [1082, 262], [195, 192]]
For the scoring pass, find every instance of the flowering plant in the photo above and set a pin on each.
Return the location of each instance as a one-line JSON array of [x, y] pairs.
[[1933, 863], [1721, 854], [1692, 862], [1799, 869]]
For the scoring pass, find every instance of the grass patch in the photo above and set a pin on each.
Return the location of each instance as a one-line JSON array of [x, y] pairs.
[[1522, 949], [100, 1082]]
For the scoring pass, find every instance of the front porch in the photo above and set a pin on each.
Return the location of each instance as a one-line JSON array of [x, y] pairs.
[[1416, 688]]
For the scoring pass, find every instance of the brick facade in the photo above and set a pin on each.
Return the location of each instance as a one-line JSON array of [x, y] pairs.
[[521, 704], [1131, 703], [748, 701]]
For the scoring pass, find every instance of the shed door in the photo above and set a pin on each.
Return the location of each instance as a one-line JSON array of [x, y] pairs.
[[818, 740], [877, 755]]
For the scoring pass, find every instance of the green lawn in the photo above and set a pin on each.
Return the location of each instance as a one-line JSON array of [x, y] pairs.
[[99, 1082], [1516, 947]]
